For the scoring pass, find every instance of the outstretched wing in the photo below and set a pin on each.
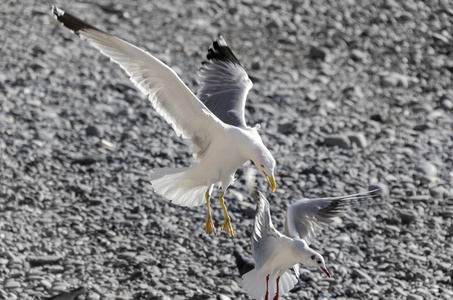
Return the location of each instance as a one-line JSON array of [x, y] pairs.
[[264, 237], [305, 218], [171, 98], [224, 84]]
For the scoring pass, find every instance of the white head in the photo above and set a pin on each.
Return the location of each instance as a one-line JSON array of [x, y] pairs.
[[265, 162], [316, 260], [310, 256]]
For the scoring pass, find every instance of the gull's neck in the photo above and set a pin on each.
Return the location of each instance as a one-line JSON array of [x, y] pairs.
[[303, 252]]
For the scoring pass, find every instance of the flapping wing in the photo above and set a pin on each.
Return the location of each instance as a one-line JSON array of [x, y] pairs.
[[171, 98], [264, 234], [224, 84], [305, 218]]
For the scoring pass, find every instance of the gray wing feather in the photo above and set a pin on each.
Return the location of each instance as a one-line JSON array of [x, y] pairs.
[[264, 233], [306, 218], [224, 84]]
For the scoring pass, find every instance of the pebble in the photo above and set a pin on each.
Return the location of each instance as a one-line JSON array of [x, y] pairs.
[[358, 139], [358, 55], [361, 274], [87, 160], [93, 131], [44, 260], [407, 217], [340, 141], [427, 171], [446, 104], [395, 80], [11, 284], [93, 296], [320, 53], [414, 297]]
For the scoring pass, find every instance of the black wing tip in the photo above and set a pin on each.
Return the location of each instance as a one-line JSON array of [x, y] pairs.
[[69, 21], [219, 50]]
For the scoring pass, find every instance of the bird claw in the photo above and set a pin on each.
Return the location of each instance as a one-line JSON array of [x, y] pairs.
[[226, 226], [209, 225]]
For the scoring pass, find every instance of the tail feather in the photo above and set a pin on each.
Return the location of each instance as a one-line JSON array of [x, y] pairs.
[[176, 185], [287, 282], [255, 284]]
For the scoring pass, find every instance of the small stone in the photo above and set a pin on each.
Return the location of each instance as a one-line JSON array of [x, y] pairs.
[[359, 139], [46, 283], [223, 297], [320, 53], [93, 296], [87, 160], [394, 80], [11, 284], [414, 297], [446, 103], [427, 171], [256, 65], [287, 128], [341, 141], [361, 274], [422, 127], [378, 118], [358, 55], [59, 287], [407, 217], [93, 131], [44, 260]]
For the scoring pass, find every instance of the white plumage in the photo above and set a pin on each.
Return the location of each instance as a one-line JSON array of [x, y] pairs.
[[274, 253], [214, 122]]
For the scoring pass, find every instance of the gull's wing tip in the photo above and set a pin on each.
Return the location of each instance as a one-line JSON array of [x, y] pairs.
[[73, 23], [57, 12], [221, 41], [219, 50]]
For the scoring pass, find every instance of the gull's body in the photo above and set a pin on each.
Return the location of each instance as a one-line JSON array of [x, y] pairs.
[[215, 121], [274, 253]]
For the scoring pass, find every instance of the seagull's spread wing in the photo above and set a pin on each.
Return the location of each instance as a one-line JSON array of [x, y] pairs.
[[171, 98], [265, 236], [224, 84], [305, 218]]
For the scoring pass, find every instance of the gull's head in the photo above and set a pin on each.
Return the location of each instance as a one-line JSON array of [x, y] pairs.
[[265, 162], [316, 260]]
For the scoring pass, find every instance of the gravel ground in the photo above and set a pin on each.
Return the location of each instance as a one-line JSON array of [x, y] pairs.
[[349, 95]]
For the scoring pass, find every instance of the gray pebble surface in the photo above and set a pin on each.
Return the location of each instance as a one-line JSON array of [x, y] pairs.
[[350, 95]]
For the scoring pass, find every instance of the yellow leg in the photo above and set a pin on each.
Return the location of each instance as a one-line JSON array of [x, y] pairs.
[[209, 224], [226, 226]]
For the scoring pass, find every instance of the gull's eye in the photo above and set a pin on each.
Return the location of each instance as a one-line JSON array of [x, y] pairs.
[[319, 262], [312, 257], [262, 166]]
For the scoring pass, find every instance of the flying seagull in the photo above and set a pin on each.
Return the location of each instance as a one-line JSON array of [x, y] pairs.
[[214, 121], [274, 253]]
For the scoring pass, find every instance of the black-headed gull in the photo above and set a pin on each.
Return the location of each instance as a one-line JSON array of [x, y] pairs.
[[274, 253], [214, 122]]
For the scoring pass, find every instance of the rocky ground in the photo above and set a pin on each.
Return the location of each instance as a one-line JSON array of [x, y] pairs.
[[349, 94]]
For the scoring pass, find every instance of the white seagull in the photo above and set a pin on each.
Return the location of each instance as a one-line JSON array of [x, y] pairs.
[[274, 253], [214, 122]]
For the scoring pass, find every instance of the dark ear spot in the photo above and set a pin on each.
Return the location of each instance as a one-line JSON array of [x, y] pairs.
[[313, 257]]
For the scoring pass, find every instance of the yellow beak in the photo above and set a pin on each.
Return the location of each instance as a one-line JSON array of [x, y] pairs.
[[271, 181]]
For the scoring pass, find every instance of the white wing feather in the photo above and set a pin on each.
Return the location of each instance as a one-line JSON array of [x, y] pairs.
[[171, 98]]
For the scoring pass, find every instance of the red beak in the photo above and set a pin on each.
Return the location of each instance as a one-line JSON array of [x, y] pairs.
[[325, 271]]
